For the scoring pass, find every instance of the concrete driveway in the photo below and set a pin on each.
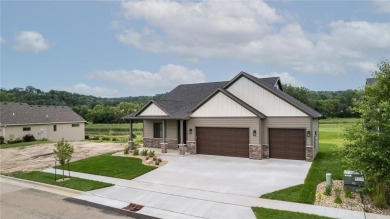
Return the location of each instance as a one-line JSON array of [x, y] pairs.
[[230, 175]]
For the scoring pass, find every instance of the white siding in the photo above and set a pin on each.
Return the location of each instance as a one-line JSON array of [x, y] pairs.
[[222, 106], [262, 100], [153, 110]]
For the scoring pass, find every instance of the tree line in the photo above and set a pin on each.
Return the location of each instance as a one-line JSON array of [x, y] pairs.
[[330, 104]]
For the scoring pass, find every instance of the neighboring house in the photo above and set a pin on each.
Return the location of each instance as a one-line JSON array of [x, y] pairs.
[[245, 117], [50, 122]]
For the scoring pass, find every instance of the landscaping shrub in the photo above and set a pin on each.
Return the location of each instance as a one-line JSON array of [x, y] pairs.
[[151, 153], [14, 141], [157, 162], [126, 151], [105, 138], [144, 152], [146, 158], [28, 138], [44, 139], [348, 193], [328, 190], [379, 196], [136, 152], [2, 140], [337, 199], [86, 137], [114, 139]]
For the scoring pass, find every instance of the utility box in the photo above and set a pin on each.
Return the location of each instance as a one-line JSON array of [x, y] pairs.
[[353, 180]]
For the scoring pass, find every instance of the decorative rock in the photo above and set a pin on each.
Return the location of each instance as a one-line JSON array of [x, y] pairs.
[[265, 151], [309, 153], [191, 147], [255, 152], [182, 149], [163, 147]]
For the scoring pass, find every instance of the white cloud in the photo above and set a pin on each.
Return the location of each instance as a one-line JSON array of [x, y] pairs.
[[168, 77], [285, 77], [82, 88], [31, 41], [382, 6], [252, 31]]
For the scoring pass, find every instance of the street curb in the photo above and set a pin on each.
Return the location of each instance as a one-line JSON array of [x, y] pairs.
[[111, 209], [44, 185]]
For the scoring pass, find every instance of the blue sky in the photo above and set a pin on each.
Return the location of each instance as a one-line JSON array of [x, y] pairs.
[[120, 48]]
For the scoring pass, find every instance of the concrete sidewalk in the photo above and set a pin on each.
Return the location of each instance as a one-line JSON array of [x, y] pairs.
[[177, 202]]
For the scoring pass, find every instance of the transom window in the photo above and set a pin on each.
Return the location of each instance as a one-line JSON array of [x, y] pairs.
[[157, 130]]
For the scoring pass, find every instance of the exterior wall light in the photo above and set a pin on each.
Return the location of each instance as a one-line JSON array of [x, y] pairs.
[[254, 133], [190, 131], [308, 133]]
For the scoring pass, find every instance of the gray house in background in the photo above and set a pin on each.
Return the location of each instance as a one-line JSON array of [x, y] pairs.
[[50, 122], [245, 117]]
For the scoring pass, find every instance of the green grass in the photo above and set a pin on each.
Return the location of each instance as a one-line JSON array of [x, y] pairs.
[[266, 213], [48, 178], [338, 120], [328, 160], [24, 144], [112, 166]]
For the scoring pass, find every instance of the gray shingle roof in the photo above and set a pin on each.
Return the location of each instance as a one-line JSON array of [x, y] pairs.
[[22, 113], [180, 101]]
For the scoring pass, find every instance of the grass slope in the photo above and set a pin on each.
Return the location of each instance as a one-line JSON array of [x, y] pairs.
[[23, 144], [266, 213], [48, 178], [327, 161], [112, 166]]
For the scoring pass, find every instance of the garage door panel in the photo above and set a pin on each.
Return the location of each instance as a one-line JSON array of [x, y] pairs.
[[287, 143], [223, 141]]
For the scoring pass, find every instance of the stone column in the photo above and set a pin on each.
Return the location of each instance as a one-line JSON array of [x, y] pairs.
[[265, 151], [255, 152], [164, 147], [131, 145], [191, 147], [182, 149], [309, 153]]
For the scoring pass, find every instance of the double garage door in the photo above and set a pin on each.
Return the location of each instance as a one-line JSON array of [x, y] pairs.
[[233, 142], [287, 144]]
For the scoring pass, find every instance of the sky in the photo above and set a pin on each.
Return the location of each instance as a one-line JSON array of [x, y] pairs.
[[139, 48]]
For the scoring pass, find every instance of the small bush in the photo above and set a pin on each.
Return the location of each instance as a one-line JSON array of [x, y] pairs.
[[28, 138], [14, 141], [94, 138], [327, 191], [379, 196], [86, 137], [126, 151], [136, 152], [105, 138], [151, 153], [154, 158], [348, 193], [157, 162], [2, 140], [146, 158], [337, 200], [44, 139], [144, 152], [114, 139]]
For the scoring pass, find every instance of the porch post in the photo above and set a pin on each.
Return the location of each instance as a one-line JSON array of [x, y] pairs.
[[163, 144], [131, 142], [181, 132], [163, 125]]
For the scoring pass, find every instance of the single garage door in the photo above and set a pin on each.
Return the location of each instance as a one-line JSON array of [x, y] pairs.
[[232, 142], [287, 143]]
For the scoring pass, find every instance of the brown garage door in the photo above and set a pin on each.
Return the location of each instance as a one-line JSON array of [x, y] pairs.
[[232, 142], [287, 143]]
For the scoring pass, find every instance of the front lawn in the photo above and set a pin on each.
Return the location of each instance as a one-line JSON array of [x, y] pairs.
[[48, 178], [23, 144], [266, 213], [112, 166], [327, 161]]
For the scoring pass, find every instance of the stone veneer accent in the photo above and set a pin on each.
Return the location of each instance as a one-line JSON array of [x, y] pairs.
[[309, 153], [155, 143], [191, 147], [182, 149], [265, 151], [131, 145], [255, 152], [164, 147]]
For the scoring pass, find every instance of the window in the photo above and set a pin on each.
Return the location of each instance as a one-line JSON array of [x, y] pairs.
[[54, 128], [157, 130], [75, 125], [25, 129]]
